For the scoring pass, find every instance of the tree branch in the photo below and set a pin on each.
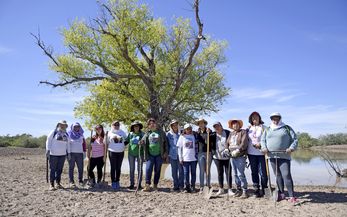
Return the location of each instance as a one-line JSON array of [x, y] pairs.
[[75, 80], [47, 50]]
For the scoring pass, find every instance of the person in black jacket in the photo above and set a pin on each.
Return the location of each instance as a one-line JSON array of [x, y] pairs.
[[218, 140], [201, 139]]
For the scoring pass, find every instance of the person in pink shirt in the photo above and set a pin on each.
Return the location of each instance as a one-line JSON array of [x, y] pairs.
[[96, 154]]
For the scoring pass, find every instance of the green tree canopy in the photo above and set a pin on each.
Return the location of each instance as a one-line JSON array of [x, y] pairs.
[[135, 66]]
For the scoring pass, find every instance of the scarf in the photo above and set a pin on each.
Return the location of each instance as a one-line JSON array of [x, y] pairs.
[[279, 125], [75, 134]]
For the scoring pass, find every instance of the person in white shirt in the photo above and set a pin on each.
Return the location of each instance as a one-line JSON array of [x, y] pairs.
[[57, 147], [255, 156], [115, 146], [187, 154]]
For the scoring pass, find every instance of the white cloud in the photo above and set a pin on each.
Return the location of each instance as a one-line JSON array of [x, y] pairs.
[[5, 50], [35, 111], [277, 95]]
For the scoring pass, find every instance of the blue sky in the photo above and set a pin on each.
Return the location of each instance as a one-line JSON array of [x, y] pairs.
[[288, 56]]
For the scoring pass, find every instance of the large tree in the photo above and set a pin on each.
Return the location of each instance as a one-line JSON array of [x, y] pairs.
[[136, 67]]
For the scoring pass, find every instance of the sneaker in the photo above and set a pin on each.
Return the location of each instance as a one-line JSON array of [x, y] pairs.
[[147, 188], [220, 191], [52, 188], [244, 195], [281, 196], [72, 185], [231, 193], [201, 190], [238, 193], [193, 190], [59, 186], [257, 193], [118, 186], [131, 187], [114, 185], [155, 187], [293, 200], [187, 190]]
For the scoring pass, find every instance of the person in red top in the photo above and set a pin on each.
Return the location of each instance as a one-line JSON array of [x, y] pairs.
[[96, 154]]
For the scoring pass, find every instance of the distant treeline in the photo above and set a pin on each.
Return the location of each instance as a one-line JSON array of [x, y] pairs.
[[305, 140], [23, 140]]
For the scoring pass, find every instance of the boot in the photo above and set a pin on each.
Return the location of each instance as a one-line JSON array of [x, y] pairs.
[[155, 187], [257, 193], [147, 188], [244, 194]]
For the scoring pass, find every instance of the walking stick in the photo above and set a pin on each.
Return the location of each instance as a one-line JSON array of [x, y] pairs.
[[103, 178], [139, 175], [207, 190], [47, 169], [268, 191], [89, 157]]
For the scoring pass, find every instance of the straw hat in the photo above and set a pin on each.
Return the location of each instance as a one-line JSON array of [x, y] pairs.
[[235, 120], [133, 124], [200, 120]]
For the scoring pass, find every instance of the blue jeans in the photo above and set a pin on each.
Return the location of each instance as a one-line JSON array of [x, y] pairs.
[[202, 167], [76, 158], [283, 175], [132, 169], [239, 165], [156, 162], [189, 167], [56, 165], [177, 174], [258, 167]]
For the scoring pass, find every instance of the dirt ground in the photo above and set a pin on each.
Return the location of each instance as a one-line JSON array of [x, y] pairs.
[[24, 192]]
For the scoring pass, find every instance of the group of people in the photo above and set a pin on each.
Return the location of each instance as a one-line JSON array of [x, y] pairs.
[[184, 150]]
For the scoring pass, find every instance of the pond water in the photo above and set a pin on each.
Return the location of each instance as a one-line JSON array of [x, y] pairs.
[[307, 167]]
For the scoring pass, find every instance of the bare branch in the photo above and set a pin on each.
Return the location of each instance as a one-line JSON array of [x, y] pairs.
[[47, 50], [76, 80]]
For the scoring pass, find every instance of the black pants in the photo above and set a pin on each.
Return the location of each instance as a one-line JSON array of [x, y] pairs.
[[98, 163], [223, 166], [116, 159]]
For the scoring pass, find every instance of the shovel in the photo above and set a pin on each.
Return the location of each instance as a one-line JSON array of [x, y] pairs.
[[88, 165], [140, 172], [207, 192], [268, 191]]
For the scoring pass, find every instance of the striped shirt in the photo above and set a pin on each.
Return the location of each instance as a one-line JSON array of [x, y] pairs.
[[98, 148]]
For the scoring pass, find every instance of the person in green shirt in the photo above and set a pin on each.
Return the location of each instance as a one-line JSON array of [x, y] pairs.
[[155, 152], [133, 140]]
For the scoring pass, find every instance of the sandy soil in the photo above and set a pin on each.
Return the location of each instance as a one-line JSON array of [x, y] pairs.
[[24, 192]]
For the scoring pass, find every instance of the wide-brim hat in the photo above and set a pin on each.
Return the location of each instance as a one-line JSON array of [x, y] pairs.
[[200, 120], [275, 114], [114, 123], [217, 123], [186, 126], [63, 122], [174, 121], [230, 122], [133, 124]]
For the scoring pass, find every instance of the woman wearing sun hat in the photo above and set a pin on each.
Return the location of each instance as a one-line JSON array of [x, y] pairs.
[[187, 156], [176, 168], [278, 142], [237, 145], [219, 139], [255, 156], [57, 147], [133, 139], [201, 136]]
